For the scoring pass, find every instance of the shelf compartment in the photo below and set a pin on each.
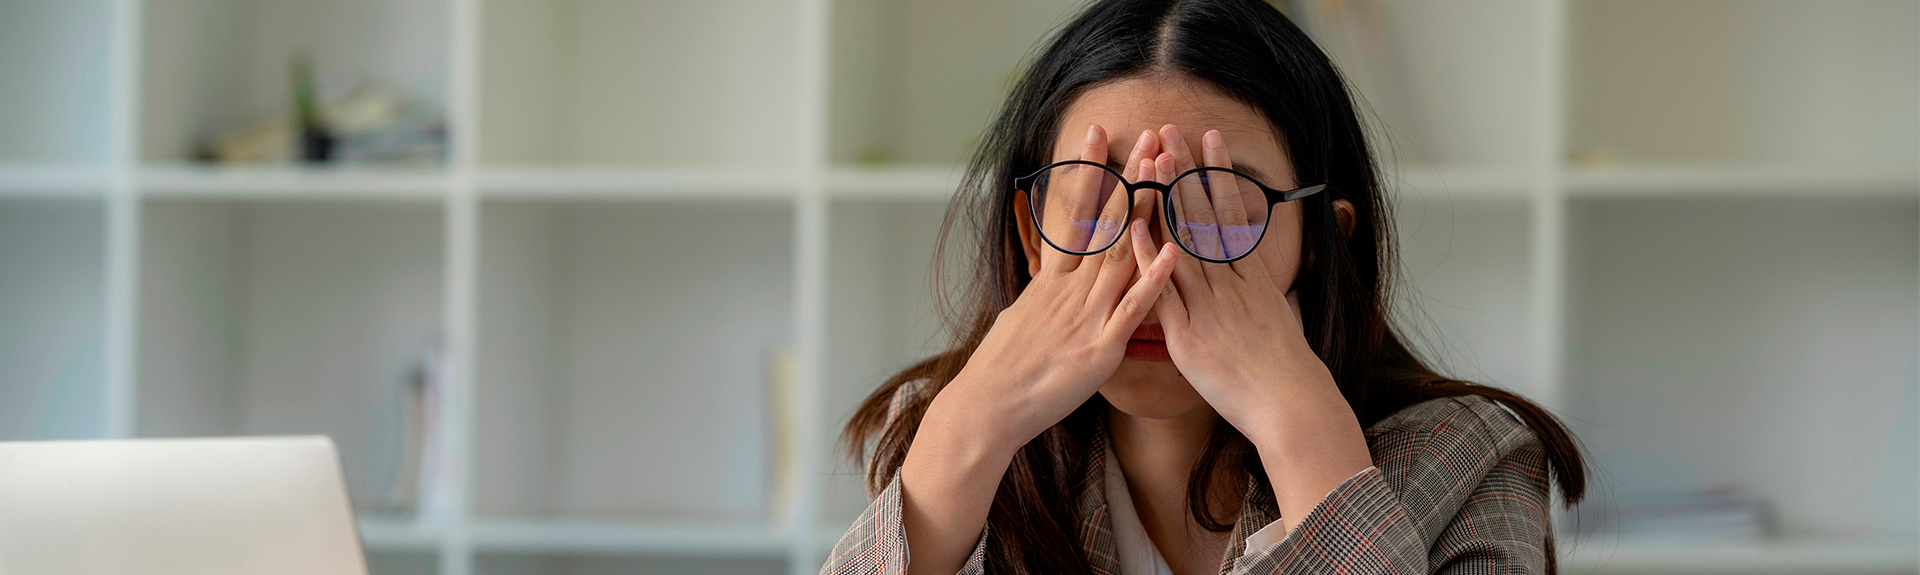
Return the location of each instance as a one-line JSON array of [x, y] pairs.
[[1452, 85], [1770, 82], [917, 81], [1466, 292], [212, 66], [52, 319], [605, 329], [53, 106], [1710, 342], [639, 83], [881, 318], [288, 318]]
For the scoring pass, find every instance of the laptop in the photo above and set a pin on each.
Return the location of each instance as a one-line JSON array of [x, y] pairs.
[[176, 506]]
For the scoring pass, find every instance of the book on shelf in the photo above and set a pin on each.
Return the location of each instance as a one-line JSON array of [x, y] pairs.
[[408, 463]]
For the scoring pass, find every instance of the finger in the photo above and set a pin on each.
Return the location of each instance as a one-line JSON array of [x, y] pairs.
[[1171, 141], [1110, 196], [1194, 212], [1235, 203], [1173, 313], [1143, 296], [1144, 147], [1095, 148], [1066, 201], [1116, 269], [1188, 275]]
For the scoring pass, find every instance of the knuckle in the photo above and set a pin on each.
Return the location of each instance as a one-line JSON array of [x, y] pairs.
[[1069, 204]]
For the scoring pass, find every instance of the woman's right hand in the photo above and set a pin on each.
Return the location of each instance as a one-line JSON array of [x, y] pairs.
[[1044, 356]]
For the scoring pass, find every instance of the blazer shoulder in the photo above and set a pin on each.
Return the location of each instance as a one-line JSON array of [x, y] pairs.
[[1460, 422]]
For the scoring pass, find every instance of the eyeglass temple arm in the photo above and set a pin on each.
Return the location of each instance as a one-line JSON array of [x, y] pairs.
[[1276, 196]]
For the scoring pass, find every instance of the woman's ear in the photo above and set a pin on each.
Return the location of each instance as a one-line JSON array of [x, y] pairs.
[[1029, 237], [1343, 212], [1344, 215]]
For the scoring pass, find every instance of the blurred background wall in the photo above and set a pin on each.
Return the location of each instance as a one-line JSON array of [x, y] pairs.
[[587, 286]]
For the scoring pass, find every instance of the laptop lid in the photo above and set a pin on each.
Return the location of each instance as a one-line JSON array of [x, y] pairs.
[[176, 506]]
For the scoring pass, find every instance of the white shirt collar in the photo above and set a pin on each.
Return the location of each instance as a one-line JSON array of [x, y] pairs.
[[1138, 556]]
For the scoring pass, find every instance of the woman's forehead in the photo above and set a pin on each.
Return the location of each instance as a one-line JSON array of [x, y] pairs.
[[1127, 107]]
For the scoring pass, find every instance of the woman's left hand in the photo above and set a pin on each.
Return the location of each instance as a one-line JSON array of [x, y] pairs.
[[1234, 332]]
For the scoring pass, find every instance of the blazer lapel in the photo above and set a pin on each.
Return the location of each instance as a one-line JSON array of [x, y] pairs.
[[1096, 523]]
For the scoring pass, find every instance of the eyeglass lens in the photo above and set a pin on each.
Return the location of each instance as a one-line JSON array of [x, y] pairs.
[[1218, 215], [1080, 208]]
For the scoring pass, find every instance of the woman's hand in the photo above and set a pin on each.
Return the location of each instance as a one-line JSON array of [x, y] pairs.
[[1235, 334], [1066, 333], [1044, 356]]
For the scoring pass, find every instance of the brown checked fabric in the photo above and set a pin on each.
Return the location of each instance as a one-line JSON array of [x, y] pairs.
[[1458, 487]]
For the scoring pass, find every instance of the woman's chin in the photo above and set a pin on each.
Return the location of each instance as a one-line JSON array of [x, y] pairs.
[[1151, 389]]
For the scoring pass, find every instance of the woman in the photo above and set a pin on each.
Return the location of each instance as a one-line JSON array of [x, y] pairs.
[[1178, 359]]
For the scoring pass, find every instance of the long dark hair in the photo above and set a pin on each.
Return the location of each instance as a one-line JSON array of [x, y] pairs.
[[1249, 51]]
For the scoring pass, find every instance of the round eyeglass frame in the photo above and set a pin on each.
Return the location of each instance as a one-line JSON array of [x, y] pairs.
[[1024, 183]]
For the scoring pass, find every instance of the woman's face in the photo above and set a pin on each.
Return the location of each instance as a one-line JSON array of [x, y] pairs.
[[1146, 385]]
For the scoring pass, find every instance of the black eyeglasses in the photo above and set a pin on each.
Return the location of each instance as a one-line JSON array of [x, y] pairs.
[[1216, 214]]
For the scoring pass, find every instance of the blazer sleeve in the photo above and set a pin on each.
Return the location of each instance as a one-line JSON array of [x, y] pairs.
[[1458, 487], [876, 544]]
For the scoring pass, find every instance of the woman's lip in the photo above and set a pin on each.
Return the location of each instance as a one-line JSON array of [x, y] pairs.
[[1140, 350], [1148, 343]]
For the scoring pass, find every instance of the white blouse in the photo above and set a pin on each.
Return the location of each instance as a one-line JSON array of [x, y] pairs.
[[1138, 556]]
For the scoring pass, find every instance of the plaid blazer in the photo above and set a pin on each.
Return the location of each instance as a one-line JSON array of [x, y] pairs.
[[1459, 486]]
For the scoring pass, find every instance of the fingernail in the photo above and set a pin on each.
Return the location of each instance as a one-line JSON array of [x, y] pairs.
[[1093, 132], [1146, 136], [1213, 139]]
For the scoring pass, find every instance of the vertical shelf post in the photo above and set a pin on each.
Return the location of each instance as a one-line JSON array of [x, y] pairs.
[[1548, 220], [1549, 207], [123, 220], [810, 287], [462, 286]]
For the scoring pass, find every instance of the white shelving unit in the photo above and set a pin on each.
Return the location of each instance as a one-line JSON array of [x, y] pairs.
[[1691, 227]]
